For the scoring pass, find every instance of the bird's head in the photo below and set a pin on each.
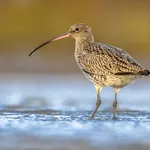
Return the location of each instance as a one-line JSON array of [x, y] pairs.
[[77, 31]]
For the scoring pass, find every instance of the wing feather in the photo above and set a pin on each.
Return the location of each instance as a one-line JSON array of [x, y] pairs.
[[101, 59]]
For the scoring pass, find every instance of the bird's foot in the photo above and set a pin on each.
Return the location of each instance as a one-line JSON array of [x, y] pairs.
[[91, 117], [114, 118]]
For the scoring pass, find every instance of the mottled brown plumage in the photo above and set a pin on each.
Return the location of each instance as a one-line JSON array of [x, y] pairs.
[[102, 64]]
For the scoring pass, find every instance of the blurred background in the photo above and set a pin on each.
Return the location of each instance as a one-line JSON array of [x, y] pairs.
[[27, 23], [51, 74], [51, 80]]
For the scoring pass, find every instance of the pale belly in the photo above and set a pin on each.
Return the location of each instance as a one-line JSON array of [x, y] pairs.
[[110, 80], [118, 81]]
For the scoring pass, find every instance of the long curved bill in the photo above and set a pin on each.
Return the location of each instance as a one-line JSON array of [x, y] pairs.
[[65, 35]]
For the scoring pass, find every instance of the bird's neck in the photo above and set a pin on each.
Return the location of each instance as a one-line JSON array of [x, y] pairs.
[[82, 43], [81, 46], [86, 37], [84, 40]]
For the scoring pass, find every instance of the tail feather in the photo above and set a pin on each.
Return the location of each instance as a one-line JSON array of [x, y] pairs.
[[144, 73]]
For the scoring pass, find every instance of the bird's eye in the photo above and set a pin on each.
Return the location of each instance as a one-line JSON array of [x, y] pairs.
[[76, 29]]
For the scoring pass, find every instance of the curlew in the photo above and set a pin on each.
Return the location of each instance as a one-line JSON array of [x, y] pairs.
[[104, 65]]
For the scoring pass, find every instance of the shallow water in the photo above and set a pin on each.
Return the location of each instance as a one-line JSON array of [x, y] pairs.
[[46, 129], [49, 112]]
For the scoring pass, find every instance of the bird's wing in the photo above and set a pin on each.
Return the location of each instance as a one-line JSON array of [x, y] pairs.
[[105, 59]]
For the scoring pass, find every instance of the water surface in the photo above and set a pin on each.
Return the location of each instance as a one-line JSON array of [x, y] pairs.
[[52, 112]]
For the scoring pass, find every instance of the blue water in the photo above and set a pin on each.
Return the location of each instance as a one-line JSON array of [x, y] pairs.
[[45, 112]]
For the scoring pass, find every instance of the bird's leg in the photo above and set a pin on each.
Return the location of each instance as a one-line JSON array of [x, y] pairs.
[[115, 103], [98, 89]]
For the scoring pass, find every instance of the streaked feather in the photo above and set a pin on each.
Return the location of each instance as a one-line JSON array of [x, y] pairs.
[[101, 59]]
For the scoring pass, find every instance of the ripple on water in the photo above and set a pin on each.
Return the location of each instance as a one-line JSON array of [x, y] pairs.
[[130, 127]]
